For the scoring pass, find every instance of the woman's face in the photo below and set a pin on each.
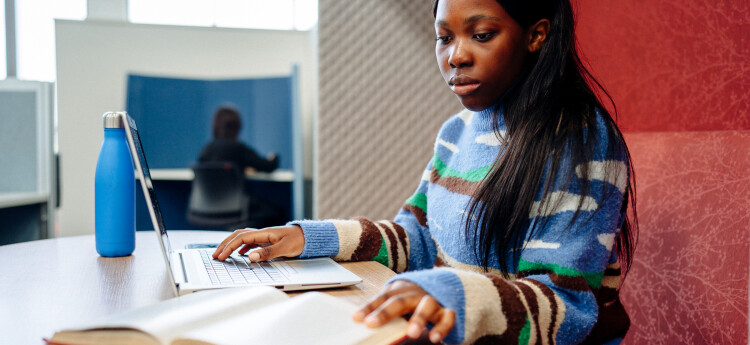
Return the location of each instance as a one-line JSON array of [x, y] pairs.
[[480, 50]]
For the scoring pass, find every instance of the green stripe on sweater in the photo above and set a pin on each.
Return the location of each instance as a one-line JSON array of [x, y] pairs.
[[473, 175], [418, 200], [523, 338], [382, 256], [594, 280]]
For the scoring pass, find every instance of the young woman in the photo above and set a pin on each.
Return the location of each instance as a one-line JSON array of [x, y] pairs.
[[518, 228]]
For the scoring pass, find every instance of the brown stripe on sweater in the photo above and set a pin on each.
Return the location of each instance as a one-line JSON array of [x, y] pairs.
[[439, 262], [402, 240], [369, 242], [577, 283], [513, 309], [533, 308], [605, 295], [547, 292], [612, 272], [454, 184], [418, 213], [613, 322], [394, 245], [494, 339]]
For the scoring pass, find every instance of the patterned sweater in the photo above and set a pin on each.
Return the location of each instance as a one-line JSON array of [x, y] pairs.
[[564, 289]]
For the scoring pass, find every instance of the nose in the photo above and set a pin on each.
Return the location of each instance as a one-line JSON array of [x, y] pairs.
[[460, 55]]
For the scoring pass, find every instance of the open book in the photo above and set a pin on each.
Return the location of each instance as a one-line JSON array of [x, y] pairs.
[[255, 315]]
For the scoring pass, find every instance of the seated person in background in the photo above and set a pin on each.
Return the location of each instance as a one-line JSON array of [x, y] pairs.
[[227, 148]]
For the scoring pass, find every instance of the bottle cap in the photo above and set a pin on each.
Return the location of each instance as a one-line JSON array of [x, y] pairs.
[[113, 119]]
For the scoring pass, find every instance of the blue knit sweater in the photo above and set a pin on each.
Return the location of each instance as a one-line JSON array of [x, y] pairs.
[[564, 287]]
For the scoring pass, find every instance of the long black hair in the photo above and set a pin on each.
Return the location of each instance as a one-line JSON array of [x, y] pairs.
[[550, 113]]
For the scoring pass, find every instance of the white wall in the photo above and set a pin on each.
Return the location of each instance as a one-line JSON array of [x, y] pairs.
[[94, 58]]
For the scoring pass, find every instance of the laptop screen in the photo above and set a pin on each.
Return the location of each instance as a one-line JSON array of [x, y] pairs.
[[143, 173]]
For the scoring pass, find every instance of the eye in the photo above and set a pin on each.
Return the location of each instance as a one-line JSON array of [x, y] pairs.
[[444, 39], [484, 37]]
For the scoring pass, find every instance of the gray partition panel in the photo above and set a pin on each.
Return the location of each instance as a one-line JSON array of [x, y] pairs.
[[18, 141]]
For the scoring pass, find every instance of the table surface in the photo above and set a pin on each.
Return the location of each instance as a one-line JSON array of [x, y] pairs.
[[52, 284]]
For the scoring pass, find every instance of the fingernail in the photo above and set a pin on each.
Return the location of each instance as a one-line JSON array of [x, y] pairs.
[[434, 337], [413, 331], [359, 316], [254, 257], [371, 321]]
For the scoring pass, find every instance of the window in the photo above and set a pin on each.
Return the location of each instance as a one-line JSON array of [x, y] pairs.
[[35, 34], [255, 14]]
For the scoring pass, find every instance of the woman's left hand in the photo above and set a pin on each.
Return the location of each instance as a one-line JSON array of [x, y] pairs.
[[402, 297]]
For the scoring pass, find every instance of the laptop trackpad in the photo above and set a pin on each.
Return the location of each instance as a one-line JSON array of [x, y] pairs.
[[311, 266]]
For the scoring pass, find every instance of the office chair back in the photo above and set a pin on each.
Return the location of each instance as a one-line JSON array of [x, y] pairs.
[[217, 198]]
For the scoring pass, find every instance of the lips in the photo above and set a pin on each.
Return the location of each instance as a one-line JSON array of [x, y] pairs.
[[463, 85]]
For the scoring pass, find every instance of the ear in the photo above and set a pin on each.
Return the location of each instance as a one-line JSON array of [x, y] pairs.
[[537, 33]]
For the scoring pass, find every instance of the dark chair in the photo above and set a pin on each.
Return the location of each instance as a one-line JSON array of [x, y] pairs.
[[217, 198]]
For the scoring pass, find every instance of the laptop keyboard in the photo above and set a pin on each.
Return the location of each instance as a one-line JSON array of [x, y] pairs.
[[237, 269]]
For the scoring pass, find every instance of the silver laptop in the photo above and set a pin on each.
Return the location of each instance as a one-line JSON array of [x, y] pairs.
[[194, 269]]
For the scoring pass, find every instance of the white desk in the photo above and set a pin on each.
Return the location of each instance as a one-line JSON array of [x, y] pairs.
[[21, 199], [187, 175]]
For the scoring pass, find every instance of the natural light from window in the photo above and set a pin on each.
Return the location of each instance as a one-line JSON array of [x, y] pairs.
[[35, 34], [250, 14]]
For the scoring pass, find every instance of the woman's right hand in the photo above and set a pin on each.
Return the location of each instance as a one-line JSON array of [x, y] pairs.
[[287, 241]]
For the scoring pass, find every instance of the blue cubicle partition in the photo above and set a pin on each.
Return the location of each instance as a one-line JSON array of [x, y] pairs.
[[174, 118]]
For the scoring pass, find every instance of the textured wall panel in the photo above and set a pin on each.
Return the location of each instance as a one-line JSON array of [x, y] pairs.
[[671, 65], [689, 280], [382, 101]]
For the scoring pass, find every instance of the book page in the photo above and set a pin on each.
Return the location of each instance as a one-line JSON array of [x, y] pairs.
[[310, 318], [167, 319]]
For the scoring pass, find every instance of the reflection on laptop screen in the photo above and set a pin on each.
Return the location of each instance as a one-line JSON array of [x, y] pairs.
[[150, 186]]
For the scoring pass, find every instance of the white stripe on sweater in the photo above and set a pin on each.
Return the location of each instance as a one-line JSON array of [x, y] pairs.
[[349, 232], [489, 139], [483, 309], [539, 244], [466, 115], [545, 308], [451, 262], [532, 322], [607, 240], [400, 266], [618, 172], [449, 146], [562, 202]]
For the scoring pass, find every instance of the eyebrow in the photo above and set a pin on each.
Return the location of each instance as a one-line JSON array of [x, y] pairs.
[[472, 19]]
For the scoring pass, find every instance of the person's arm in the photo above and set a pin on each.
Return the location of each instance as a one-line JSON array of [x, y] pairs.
[[401, 244], [251, 159], [566, 280]]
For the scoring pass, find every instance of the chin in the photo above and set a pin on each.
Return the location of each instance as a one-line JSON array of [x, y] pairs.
[[473, 104]]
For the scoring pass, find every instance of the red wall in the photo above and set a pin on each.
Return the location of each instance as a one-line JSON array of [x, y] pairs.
[[671, 65], [681, 66]]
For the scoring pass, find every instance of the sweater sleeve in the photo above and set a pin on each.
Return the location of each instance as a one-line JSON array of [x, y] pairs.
[[567, 274], [401, 244]]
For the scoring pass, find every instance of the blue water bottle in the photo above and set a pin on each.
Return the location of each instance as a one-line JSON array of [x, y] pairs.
[[115, 191]]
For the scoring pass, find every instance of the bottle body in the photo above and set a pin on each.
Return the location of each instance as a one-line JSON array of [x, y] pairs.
[[114, 196]]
